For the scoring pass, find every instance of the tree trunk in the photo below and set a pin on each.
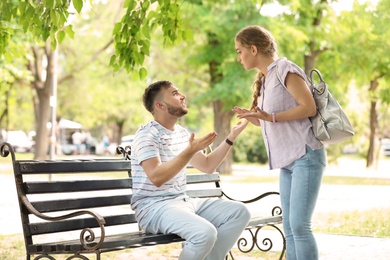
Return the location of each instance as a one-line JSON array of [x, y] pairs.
[[222, 119], [42, 133], [372, 155], [43, 89]]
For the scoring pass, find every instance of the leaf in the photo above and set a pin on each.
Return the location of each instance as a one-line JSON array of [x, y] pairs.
[[61, 36], [50, 4], [54, 17], [8, 56], [112, 60], [69, 31], [143, 73], [117, 28], [78, 5]]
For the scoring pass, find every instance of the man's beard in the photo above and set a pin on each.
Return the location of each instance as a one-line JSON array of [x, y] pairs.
[[176, 111]]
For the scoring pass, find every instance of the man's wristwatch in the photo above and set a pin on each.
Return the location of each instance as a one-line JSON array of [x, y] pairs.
[[228, 141]]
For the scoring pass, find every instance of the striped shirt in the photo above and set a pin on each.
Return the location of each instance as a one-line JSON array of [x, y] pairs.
[[285, 141], [154, 140]]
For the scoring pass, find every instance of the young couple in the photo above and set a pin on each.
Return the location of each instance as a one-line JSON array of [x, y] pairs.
[[161, 150]]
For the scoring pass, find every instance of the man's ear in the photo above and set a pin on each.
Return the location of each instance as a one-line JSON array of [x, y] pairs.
[[158, 104]]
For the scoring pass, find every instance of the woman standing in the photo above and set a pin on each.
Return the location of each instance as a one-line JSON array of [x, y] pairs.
[[282, 104]]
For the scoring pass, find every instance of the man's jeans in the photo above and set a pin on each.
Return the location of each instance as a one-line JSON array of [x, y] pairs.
[[210, 226], [299, 187]]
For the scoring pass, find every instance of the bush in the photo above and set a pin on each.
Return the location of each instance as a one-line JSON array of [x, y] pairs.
[[249, 146]]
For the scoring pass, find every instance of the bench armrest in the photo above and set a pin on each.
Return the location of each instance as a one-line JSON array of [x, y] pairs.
[[86, 236], [276, 211]]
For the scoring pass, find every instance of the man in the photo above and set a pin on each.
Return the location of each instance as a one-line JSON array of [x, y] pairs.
[[160, 153]]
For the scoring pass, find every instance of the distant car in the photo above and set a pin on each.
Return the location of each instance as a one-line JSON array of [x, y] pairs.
[[126, 140], [19, 141], [385, 146]]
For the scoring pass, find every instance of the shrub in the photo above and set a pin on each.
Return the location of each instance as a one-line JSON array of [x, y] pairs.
[[249, 146]]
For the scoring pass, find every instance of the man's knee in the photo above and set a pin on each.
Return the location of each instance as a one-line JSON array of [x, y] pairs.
[[206, 234]]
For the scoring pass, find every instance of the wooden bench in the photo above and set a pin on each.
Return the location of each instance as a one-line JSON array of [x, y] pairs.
[[79, 207]]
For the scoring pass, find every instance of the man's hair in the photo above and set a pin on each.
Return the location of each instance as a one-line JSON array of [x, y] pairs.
[[152, 92]]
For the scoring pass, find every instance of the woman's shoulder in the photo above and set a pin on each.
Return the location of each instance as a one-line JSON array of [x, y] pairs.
[[286, 66]]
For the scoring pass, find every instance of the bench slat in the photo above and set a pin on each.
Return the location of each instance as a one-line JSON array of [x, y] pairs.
[[74, 166], [81, 203], [205, 193], [73, 186], [261, 221], [78, 224], [202, 178], [111, 243], [91, 185]]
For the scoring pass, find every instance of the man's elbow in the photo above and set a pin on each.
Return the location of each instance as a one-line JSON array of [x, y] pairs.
[[156, 182], [209, 171]]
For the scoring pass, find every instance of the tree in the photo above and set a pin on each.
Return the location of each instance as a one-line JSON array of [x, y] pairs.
[[368, 46], [227, 83], [46, 22], [49, 20]]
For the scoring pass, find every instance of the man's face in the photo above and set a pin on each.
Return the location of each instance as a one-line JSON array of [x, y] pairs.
[[174, 101]]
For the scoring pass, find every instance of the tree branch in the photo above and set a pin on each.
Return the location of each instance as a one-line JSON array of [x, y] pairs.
[[86, 64]]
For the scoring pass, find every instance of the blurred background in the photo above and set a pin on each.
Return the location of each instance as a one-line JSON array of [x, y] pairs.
[[81, 96]]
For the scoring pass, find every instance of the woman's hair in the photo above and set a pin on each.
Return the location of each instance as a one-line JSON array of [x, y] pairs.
[[265, 44], [152, 92]]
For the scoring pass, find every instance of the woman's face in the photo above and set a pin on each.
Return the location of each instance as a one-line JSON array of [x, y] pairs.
[[246, 55]]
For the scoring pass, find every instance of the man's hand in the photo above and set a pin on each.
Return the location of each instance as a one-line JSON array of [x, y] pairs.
[[199, 144], [237, 129]]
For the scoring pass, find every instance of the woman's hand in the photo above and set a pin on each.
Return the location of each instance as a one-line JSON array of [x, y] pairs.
[[251, 116]]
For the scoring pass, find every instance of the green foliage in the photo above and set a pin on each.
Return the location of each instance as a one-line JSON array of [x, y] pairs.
[[42, 20], [132, 34], [249, 146]]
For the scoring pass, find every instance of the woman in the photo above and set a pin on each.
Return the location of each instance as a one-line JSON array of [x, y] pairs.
[[282, 105]]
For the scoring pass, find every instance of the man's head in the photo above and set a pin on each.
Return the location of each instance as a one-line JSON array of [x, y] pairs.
[[163, 95]]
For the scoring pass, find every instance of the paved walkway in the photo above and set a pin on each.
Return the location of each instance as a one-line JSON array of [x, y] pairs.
[[332, 198]]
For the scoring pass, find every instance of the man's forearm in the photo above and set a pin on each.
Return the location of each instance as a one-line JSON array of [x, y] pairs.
[[166, 171], [215, 158]]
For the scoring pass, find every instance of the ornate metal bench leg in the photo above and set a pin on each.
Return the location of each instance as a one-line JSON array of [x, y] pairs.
[[231, 256], [77, 256], [266, 243]]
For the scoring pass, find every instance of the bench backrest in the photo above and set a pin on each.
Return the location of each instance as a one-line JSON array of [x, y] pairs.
[[53, 188]]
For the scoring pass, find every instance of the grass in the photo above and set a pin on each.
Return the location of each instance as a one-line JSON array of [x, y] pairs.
[[373, 223]]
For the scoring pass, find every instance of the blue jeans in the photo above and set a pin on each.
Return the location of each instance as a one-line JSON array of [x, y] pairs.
[[210, 226], [299, 187]]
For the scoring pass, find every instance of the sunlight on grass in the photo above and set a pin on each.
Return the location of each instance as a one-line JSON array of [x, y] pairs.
[[375, 223]]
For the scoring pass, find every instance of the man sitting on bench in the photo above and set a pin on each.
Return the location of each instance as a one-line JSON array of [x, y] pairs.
[[160, 153]]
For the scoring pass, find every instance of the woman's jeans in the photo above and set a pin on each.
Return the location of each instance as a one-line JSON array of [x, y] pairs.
[[299, 187]]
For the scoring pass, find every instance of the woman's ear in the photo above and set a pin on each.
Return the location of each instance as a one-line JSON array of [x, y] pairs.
[[254, 49]]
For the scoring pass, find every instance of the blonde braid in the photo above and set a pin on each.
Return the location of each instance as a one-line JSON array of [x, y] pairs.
[[256, 87]]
